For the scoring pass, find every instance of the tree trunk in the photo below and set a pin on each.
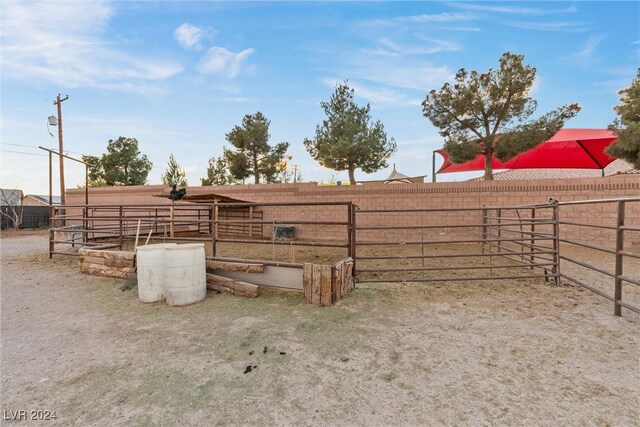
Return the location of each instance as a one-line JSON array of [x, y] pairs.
[[352, 176], [488, 163]]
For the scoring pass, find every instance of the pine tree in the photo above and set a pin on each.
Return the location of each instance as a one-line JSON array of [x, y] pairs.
[[253, 155], [347, 139], [487, 113], [122, 164], [627, 126], [174, 175], [217, 172]]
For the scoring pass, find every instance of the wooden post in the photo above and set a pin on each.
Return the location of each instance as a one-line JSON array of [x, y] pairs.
[[316, 284], [52, 233], [171, 228], [617, 309], [307, 282], [250, 222], [349, 229]]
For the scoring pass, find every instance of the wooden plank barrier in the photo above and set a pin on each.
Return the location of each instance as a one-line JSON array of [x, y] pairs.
[[327, 284], [234, 287], [118, 264]]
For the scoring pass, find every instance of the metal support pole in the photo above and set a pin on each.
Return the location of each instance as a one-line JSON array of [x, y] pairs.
[[617, 309], [499, 220], [433, 166], [484, 228], [216, 227], [354, 242], [349, 229], [121, 227], [556, 242], [533, 230]]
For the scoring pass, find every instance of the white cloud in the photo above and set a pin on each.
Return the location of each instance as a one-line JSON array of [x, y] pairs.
[[219, 60], [63, 43], [586, 54], [390, 47], [189, 36], [379, 96], [518, 10], [557, 26], [424, 18]]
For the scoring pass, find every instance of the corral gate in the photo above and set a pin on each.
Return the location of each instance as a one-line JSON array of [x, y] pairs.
[[457, 244]]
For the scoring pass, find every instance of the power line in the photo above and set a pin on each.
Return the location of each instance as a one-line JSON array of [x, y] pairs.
[[23, 152]]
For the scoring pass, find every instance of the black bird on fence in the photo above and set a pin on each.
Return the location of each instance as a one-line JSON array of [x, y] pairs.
[[177, 194]]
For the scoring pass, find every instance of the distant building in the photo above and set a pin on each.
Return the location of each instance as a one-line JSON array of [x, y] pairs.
[[396, 178], [36, 200]]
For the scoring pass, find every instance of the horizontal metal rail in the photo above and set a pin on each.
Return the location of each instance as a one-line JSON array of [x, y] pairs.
[[413, 227], [598, 201], [480, 267], [277, 222], [630, 254], [451, 279], [589, 266], [584, 285], [287, 243], [437, 242], [399, 257], [629, 279], [587, 245], [582, 224], [628, 306]]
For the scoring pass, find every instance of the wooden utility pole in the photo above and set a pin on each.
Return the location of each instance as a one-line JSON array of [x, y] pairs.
[[295, 173], [58, 103]]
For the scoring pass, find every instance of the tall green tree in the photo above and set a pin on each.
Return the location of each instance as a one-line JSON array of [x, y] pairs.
[[627, 126], [253, 155], [347, 139], [122, 164], [174, 175], [217, 172], [488, 113]]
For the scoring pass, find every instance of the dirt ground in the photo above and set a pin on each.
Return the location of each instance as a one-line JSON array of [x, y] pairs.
[[468, 353]]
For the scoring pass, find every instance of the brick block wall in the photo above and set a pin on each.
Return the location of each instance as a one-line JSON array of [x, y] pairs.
[[419, 195]]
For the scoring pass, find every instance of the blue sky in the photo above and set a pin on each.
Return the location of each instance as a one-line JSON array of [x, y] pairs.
[[179, 75]]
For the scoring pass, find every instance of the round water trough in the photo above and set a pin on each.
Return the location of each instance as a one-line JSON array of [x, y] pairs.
[[150, 266], [185, 277]]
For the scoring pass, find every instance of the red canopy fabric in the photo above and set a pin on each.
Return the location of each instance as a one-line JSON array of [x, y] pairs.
[[567, 149]]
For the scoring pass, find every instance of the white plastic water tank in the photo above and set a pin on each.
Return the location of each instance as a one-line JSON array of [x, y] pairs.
[[185, 276], [150, 266]]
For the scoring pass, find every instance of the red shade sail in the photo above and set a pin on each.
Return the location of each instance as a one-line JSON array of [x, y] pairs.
[[567, 149]]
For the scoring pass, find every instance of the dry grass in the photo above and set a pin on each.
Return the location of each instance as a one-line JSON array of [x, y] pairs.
[[513, 352]]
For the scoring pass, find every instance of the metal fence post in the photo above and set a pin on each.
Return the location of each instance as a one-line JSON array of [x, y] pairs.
[[484, 228], [533, 236], [617, 309], [121, 227], [556, 242], [354, 242], [214, 243]]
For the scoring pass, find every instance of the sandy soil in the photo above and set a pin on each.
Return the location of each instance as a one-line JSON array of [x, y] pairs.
[[505, 353]]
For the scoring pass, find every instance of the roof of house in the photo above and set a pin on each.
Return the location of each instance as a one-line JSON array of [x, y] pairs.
[[55, 200], [396, 178], [616, 167]]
